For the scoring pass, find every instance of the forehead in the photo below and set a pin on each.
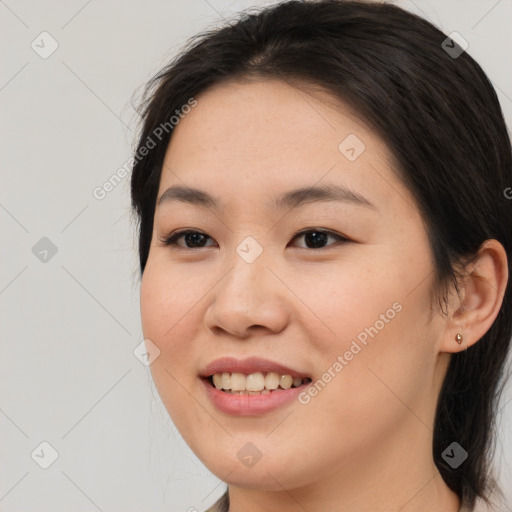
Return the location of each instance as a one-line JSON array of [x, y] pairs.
[[268, 115], [253, 138]]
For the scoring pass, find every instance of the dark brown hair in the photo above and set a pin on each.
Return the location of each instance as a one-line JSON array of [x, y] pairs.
[[439, 116]]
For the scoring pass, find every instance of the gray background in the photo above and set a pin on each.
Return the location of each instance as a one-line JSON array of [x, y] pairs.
[[70, 324]]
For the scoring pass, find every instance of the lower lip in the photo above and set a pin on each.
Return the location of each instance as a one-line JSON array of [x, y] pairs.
[[250, 405]]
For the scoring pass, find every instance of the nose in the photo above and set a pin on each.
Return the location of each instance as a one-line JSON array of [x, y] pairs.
[[248, 298]]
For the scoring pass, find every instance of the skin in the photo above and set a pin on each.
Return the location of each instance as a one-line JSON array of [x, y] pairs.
[[363, 443]]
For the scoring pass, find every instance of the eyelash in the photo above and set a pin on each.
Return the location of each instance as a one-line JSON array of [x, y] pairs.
[[174, 237]]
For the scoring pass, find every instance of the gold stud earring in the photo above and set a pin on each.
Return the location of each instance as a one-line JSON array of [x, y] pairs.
[[458, 338]]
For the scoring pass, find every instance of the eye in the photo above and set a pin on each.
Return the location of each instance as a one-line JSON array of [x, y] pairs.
[[314, 238], [195, 238]]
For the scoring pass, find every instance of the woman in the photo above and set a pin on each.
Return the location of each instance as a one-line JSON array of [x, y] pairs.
[[325, 245]]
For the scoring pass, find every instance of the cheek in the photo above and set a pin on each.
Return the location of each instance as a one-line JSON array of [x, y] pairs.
[[167, 300], [167, 317], [381, 346]]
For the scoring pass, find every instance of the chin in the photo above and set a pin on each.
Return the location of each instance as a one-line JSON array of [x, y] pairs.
[[264, 475], [257, 480]]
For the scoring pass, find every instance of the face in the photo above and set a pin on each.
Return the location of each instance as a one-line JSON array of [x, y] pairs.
[[331, 286]]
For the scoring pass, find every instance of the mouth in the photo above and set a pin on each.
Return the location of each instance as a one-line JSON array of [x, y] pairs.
[[251, 386], [257, 383]]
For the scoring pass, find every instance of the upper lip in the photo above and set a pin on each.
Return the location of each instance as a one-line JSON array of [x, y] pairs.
[[247, 366]]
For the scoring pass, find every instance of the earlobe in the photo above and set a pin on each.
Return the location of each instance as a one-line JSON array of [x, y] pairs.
[[482, 291]]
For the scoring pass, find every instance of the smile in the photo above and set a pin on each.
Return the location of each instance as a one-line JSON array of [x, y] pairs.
[[258, 383], [251, 386]]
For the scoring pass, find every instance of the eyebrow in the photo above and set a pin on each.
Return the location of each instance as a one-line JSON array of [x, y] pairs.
[[291, 199]]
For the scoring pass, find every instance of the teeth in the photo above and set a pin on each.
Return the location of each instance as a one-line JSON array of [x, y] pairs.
[[272, 380], [286, 381], [254, 383], [226, 380], [217, 380], [238, 382]]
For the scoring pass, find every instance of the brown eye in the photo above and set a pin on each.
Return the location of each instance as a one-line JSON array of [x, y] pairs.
[[193, 239], [317, 239]]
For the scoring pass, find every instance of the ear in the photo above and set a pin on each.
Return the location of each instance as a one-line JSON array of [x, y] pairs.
[[482, 291]]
